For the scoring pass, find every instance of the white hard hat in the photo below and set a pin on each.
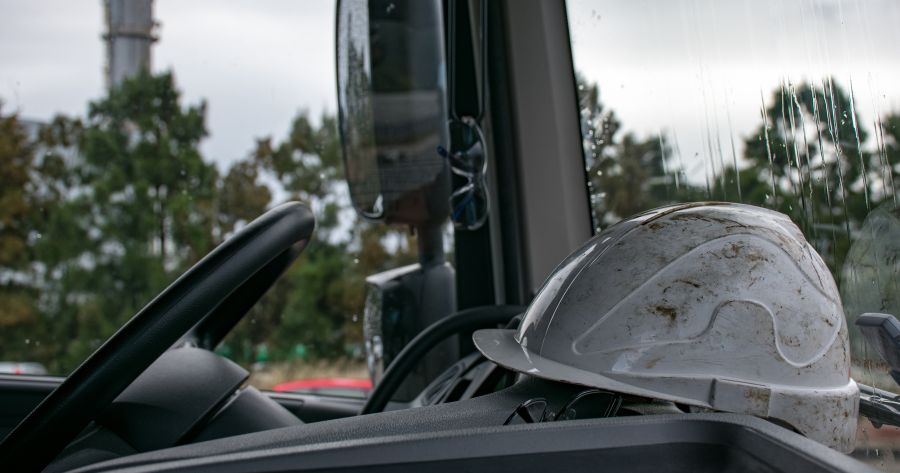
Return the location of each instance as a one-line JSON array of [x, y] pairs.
[[717, 305]]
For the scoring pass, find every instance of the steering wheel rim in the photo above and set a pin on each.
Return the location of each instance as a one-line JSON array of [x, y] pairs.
[[184, 304], [465, 320]]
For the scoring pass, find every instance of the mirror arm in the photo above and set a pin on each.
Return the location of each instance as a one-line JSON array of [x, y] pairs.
[[879, 406], [430, 240]]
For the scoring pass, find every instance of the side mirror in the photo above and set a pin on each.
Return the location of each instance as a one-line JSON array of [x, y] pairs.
[[392, 109], [394, 315], [882, 331]]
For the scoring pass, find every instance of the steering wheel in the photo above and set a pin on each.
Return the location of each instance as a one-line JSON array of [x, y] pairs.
[[238, 267], [460, 322]]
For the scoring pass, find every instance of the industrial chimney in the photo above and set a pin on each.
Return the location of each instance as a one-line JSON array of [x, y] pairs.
[[129, 35]]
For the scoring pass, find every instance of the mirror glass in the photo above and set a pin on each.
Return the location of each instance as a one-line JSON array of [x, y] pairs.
[[392, 109]]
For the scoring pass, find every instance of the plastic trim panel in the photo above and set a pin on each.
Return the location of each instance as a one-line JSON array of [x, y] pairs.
[[697, 442]]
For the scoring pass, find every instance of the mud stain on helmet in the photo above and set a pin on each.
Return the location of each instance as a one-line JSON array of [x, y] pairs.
[[666, 311]]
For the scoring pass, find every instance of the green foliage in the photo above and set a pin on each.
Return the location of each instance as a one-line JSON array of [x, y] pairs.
[[16, 160], [18, 314], [806, 159], [315, 310], [98, 214], [626, 174]]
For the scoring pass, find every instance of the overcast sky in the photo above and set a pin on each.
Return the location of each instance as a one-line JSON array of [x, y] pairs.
[[255, 62], [689, 67]]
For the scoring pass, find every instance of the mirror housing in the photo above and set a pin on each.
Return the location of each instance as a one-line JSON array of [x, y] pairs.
[[395, 314], [882, 331], [392, 109]]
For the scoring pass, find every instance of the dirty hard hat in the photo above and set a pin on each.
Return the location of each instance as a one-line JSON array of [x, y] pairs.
[[717, 305]]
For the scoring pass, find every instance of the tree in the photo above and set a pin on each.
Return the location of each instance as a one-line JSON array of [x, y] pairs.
[[808, 155], [145, 200], [242, 196], [626, 174], [807, 158], [117, 206], [18, 311], [101, 213], [141, 151], [318, 304]]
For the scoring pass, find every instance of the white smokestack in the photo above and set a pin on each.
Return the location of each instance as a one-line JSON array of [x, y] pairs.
[[130, 33]]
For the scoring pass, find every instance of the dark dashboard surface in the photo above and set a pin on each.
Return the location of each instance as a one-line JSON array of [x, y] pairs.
[[659, 443]]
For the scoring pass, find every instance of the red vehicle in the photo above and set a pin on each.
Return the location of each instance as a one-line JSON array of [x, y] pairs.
[[346, 387]]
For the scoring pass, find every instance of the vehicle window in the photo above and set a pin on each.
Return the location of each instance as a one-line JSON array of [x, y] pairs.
[[136, 136], [793, 106]]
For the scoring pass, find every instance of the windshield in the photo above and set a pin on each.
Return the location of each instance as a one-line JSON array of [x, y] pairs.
[[135, 137], [793, 106]]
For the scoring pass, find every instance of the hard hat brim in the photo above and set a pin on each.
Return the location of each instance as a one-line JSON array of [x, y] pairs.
[[501, 347]]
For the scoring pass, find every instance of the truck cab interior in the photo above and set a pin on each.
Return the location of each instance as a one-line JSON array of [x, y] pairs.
[[468, 124]]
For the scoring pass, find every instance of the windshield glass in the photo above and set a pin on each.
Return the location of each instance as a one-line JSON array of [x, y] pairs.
[[135, 136], [793, 106]]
